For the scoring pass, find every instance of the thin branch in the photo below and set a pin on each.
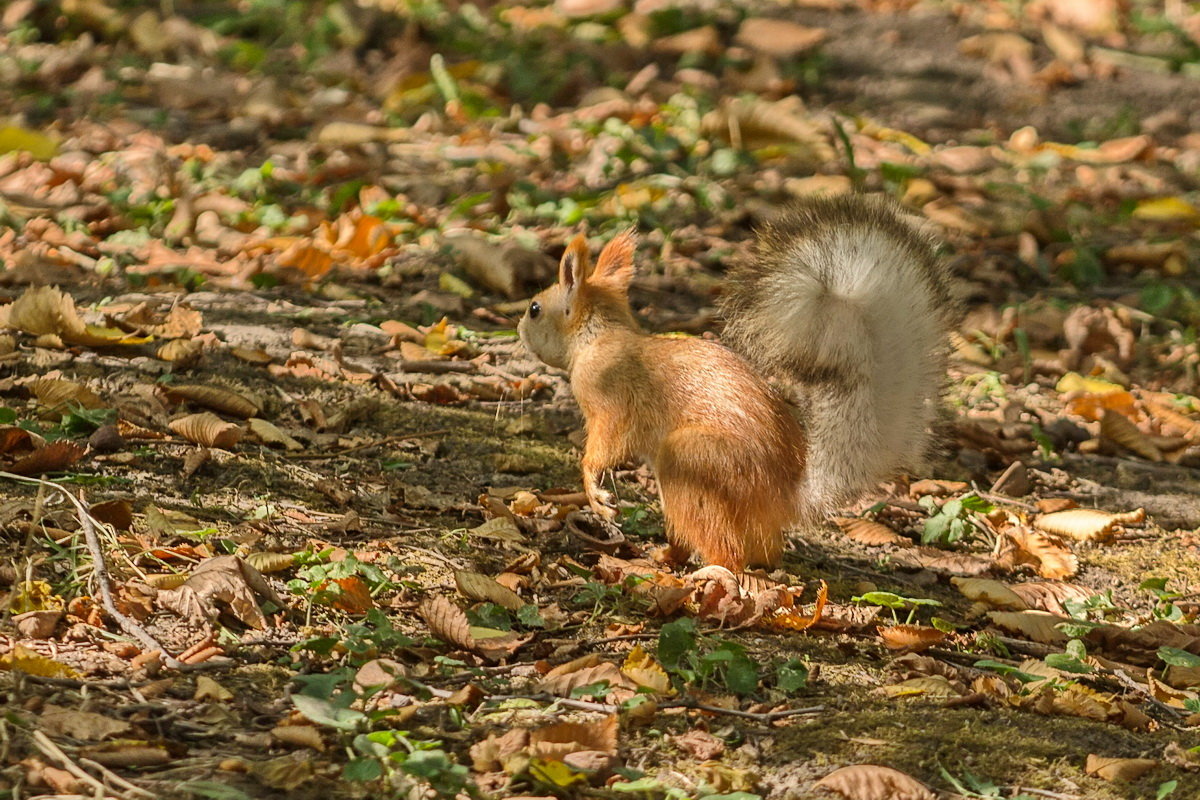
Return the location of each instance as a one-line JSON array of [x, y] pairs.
[[55, 753], [758, 716], [388, 440], [100, 570]]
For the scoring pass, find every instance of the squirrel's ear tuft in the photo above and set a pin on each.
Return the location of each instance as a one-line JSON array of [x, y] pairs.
[[615, 265], [575, 264]]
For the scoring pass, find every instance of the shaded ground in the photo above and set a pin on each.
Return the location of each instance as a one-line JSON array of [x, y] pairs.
[[293, 196]]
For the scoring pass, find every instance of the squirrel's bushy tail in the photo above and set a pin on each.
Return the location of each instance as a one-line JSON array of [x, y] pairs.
[[847, 301]]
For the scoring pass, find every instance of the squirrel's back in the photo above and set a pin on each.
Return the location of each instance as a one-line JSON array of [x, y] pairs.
[[847, 301]]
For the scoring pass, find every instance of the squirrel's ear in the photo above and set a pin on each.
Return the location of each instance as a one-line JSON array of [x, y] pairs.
[[615, 265], [575, 265]]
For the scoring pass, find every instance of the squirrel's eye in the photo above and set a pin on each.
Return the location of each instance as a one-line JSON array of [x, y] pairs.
[[535, 308]]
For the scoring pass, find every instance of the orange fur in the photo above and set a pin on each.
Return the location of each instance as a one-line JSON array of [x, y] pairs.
[[727, 451]]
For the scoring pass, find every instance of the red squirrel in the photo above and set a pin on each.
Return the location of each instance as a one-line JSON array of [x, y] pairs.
[[845, 302]]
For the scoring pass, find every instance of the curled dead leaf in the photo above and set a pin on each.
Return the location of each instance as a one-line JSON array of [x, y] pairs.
[[216, 398], [872, 782], [53, 457], [913, 638], [1087, 524], [1118, 428], [1119, 769], [475, 586], [871, 533], [993, 593], [208, 430], [1037, 626]]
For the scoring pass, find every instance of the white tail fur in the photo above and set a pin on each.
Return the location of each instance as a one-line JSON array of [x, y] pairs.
[[848, 301]]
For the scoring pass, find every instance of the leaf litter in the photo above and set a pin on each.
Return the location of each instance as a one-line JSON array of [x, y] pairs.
[[299, 504]]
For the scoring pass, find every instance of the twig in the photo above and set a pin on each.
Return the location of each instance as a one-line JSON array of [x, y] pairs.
[[759, 716], [113, 777], [1003, 499], [1144, 691], [366, 446], [542, 697], [55, 753], [100, 571], [1044, 793]]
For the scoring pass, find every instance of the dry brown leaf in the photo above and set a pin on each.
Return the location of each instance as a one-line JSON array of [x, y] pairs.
[[871, 533], [181, 321], [88, 726], [937, 488], [1049, 554], [993, 593], [46, 311], [118, 513], [475, 586], [270, 562], [225, 579], [447, 622], [872, 782], [216, 398], [54, 457], [1119, 769], [1118, 428], [1037, 626], [931, 558], [554, 741], [564, 684], [208, 430], [927, 686], [267, 433], [913, 638], [752, 124], [181, 352], [300, 736], [56, 392], [778, 37], [1087, 524], [1050, 595]]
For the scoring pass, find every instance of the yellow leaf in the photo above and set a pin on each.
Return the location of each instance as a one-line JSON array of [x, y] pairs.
[[554, 773], [438, 336], [1074, 382], [38, 145], [897, 136], [34, 596], [455, 285], [33, 663], [642, 669], [1166, 209]]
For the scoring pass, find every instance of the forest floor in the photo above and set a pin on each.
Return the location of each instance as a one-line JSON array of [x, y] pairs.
[[260, 270]]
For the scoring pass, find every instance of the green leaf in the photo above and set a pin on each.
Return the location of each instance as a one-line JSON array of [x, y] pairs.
[[1067, 664], [1178, 658], [211, 790], [597, 689], [362, 769], [1165, 788], [530, 617], [324, 712], [791, 675], [742, 675], [675, 640], [1006, 669], [7, 416], [885, 599]]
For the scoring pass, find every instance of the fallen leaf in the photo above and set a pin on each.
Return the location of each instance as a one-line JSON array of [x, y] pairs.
[[871, 782]]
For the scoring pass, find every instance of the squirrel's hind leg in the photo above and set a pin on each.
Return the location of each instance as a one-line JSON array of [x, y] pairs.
[[696, 506]]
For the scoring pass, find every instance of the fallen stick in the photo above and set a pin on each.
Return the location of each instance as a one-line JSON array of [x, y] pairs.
[[100, 571]]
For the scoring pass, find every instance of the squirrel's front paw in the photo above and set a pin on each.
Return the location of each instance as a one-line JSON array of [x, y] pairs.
[[603, 503]]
